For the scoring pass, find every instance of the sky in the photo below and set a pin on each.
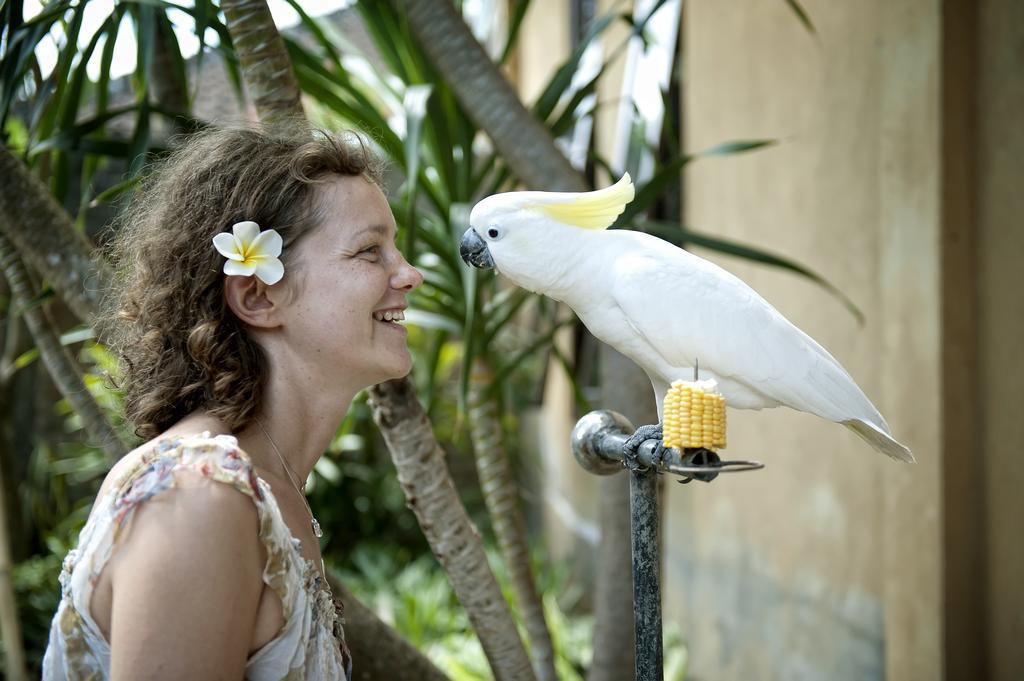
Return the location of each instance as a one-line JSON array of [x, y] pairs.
[[96, 11]]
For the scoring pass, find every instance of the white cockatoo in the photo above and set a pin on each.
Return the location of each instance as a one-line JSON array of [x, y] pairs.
[[665, 308]]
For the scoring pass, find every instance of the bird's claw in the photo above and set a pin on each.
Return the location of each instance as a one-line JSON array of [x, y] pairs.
[[639, 436], [702, 458]]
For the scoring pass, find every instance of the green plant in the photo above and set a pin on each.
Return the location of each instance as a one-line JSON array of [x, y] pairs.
[[416, 599]]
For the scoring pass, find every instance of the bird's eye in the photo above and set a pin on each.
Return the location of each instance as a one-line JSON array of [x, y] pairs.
[[492, 233]]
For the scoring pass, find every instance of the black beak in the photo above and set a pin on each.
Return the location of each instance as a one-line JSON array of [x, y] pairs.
[[474, 251]]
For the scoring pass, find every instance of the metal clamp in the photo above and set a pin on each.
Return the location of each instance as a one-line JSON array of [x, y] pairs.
[[597, 444]]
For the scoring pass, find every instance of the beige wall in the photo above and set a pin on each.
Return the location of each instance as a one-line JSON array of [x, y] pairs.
[[899, 178], [784, 570]]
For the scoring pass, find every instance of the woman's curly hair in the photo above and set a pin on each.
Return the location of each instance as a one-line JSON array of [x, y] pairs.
[[165, 316]]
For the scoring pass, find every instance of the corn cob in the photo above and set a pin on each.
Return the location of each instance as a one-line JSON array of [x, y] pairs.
[[694, 416]]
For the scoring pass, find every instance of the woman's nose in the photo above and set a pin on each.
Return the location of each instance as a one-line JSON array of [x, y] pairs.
[[407, 277]]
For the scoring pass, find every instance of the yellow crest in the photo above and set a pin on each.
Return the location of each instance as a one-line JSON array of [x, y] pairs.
[[590, 210]]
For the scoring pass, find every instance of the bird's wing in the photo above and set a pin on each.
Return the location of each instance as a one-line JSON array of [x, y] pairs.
[[690, 309]]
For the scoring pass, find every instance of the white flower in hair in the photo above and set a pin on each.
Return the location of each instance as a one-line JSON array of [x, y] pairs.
[[250, 251]]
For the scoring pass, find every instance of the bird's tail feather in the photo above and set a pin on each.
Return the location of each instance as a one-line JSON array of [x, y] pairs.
[[880, 440]]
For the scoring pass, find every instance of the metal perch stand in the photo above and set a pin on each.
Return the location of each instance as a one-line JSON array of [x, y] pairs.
[[598, 444]]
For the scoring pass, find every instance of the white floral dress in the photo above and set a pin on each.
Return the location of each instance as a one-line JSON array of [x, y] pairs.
[[310, 645]]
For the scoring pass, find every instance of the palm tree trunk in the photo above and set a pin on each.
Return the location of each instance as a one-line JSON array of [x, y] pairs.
[[489, 100], [501, 494], [266, 67], [431, 495], [44, 236], [59, 364]]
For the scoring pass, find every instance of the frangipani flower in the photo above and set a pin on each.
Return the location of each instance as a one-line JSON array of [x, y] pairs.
[[250, 251]]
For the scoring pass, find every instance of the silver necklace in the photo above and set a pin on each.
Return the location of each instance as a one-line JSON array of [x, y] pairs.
[[287, 469]]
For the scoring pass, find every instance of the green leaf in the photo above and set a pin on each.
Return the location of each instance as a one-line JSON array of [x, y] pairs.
[[313, 26], [71, 100], [107, 61], [46, 116], [103, 147], [319, 82], [443, 284], [77, 335], [19, 53], [518, 11], [144, 16], [90, 164], [372, 14], [431, 366], [50, 14], [26, 358], [668, 175], [735, 147], [562, 78], [165, 27], [505, 370], [37, 300], [647, 194], [503, 311], [415, 107], [564, 121], [582, 403], [72, 137], [801, 14], [430, 320], [113, 192], [201, 18], [469, 336]]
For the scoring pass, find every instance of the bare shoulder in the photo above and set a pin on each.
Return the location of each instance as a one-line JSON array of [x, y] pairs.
[[195, 513], [191, 553]]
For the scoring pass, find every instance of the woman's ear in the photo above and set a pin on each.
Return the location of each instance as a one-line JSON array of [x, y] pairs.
[[248, 298]]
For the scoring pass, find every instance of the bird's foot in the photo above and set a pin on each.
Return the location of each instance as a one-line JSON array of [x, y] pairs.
[[702, 458], [639, 436]]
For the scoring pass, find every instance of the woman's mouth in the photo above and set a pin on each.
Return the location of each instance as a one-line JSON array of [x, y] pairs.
[[390, 317]]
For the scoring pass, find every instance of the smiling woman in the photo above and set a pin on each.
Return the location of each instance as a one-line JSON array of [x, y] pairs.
[[258, 289]]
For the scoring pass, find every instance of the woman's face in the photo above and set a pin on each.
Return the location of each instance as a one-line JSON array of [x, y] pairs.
[[348, 273]]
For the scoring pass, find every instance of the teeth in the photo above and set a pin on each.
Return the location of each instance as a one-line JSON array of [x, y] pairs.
[[389, 316]]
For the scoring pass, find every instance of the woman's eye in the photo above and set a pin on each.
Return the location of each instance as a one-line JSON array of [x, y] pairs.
[[372, 251]]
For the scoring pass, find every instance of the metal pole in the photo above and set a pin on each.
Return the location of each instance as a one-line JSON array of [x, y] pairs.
[[597, 443], [643, 502]]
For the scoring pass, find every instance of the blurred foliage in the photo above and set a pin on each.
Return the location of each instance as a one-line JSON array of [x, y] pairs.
[[38, 593], [60, 121], [417, 600]]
